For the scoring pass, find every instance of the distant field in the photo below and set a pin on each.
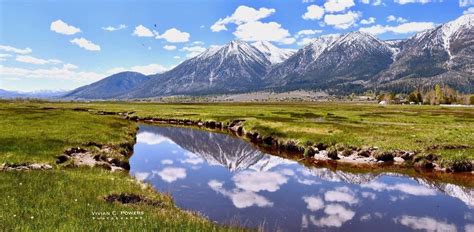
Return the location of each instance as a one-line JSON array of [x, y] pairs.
[[387, 127]]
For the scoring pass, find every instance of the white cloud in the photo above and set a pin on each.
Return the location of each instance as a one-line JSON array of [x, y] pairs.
[[338, 5], [370, 20], [112, 28], [465, 3], [402, 2], [241, 15], [342, 21], [341, 196], [176, 57], [336, 216], [142, 31], [7, 48], [61, 27], [34, 60], [392, 18], [374, 2], [469, 228], [4, 56], [66, 72], [141, 176], [255, 31], [240, 199], [469, 10], [369, 195], [416, 190], [167, 162], [174, 35], [404, 28], [143, 69], [86, 44], [258, 181], [424, 223], [313, 12], [169, 47], [192, 159], [313, 203], [193, 51], [172, 174], [307, 32]]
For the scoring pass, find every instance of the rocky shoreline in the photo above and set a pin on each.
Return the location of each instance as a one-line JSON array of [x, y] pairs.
[[319, 152]]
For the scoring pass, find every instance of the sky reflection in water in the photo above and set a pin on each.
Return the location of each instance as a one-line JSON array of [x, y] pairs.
[[229, 181]]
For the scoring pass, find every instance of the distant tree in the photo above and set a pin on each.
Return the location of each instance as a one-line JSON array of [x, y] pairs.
[[438, 94], [471, 100]]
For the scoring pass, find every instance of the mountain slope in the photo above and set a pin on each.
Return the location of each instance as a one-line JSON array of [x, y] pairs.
[[274, 54], [109, 87], [234, 67], [333, 62], [442, 55]]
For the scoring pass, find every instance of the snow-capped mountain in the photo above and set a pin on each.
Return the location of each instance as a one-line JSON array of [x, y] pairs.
[[444, 54], [235, 67], [333, 62], [274, 54]]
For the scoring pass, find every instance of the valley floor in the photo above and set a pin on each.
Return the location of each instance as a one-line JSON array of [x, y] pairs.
[[65, 198]]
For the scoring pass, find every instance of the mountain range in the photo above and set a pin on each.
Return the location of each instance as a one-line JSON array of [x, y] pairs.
[[337, 64]]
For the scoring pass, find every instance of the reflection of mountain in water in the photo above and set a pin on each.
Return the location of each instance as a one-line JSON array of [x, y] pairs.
[[216, 148], [236, 154], [462, 193]]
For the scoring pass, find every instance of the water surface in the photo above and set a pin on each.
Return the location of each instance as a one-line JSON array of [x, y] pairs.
[[229, 181]]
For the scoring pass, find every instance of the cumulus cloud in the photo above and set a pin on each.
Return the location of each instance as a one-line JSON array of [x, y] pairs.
[[465, 3], [34, 60], [86, 44], [313, 203], [7, 48], [259, 181], [172, 174], [402, 2], [241, 15], [338, 5], [342, 21], [424, 223], [191, 158], [4, 56], [167, 162], [169, 47], [150, 138], [416, 190], [240, 198], [174, 35], [469, 10], [141, 176], [142, 31], [370, 20], [373, 2], [404, 28], [66, 72], [393, 18], [313, 12], [369, 195], [336, 215], [112, 28], [61, 27], [256, 31], [307, 32], [176, 57], [193, 51], [341, 195]]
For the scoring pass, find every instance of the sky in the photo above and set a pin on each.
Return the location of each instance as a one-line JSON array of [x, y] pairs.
[[61, 45]]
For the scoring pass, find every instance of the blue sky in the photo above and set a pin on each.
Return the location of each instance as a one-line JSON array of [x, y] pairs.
[[51, 45]]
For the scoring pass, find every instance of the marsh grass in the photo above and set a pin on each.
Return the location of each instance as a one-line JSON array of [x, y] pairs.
[[64, 199]]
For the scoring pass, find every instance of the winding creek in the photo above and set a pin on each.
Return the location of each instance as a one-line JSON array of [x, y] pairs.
[[229, 181]]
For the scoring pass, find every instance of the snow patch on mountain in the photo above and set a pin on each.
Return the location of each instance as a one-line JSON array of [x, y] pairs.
[[274, 54]]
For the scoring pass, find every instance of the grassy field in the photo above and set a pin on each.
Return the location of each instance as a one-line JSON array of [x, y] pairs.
[[416, 128], [65, 199]]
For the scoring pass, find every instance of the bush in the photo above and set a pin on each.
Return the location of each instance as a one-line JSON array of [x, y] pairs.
[[384, 156]]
